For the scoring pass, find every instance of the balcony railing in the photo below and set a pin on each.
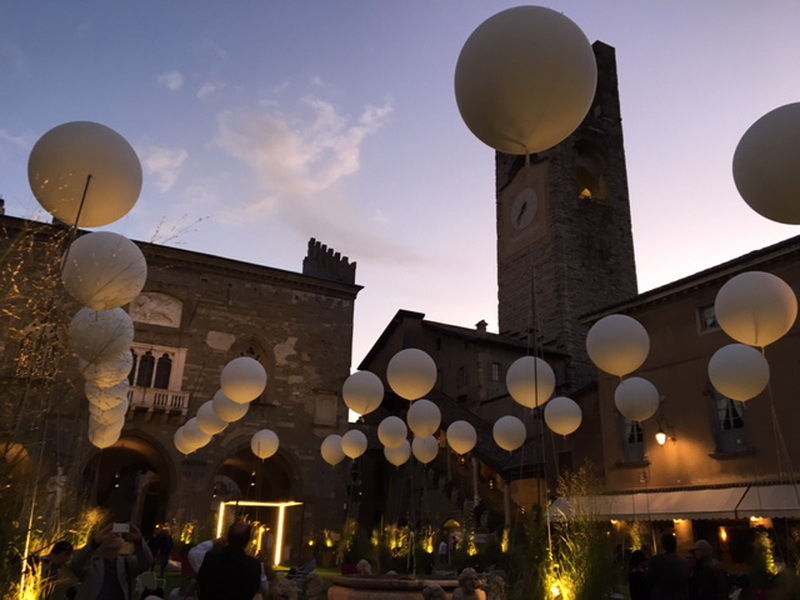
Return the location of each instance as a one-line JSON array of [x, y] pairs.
[[154, 399]]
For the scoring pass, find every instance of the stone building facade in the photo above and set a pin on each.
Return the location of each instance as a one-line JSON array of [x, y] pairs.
[[195, 314]]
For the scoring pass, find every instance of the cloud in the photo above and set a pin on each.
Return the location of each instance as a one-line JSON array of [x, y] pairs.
[[21, 142], [209, 88], [299, 159], [172, 80], [163, 164]]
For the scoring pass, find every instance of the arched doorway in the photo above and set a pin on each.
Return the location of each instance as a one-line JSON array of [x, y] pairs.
[[265, 493], [132, 480]]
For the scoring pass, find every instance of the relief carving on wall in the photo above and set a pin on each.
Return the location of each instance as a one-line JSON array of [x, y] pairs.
[[156, 309]]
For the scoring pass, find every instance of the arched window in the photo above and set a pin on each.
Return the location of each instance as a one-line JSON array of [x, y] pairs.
[[147, 363], [134, 364], [163, 372]]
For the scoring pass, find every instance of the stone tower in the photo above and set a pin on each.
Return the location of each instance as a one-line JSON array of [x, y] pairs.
[[564, 242]]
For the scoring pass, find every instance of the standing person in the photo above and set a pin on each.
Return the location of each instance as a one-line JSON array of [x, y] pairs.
[[444, 551], [709, 580], [637, 576], [160, 545], [668, 573], [105, 573], [230, 574]]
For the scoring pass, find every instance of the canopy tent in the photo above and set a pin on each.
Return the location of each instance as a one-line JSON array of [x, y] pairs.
[[770, 501]]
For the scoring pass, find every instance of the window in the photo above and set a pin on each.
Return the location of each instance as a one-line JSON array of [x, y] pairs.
[[707, 318], [461, 375], [633, 441], [495, 371], [157, 367], [729, 417]]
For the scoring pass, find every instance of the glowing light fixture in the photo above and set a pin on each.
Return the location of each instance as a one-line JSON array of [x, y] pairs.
[[661, 437], [281, 506]]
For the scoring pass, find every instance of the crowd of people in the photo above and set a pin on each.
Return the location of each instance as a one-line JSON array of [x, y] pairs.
[[668, 576]]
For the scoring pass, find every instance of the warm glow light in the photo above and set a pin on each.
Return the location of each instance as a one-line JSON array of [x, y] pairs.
[[556, 591], [676, 521], [281, 516], [723, 535]]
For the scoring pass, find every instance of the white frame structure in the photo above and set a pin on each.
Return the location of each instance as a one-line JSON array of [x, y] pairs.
[[282, 506]]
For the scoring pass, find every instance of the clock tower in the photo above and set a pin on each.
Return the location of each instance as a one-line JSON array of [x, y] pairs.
[[564, 241]]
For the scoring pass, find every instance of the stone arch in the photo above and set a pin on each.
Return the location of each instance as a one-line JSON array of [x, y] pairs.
[[133, 479]]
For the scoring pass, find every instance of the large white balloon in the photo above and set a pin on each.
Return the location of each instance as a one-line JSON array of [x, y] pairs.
[[765, 165], [226, 409], [331, 449], [104, 439], [354, 443], [208, 421], [183, 445], [106, 397], [104, 270], [411, 373], [362, 392], [108, 373], [756, 308], [618, 344], [636, 398], [398, 455], [530, 381], [563, 415], [525, 79], [110, 416], [243, 379], [461, 436], [392, 432], [425, 449], [264, 443], [194, 435], [96, 336], [509, 432], [424, 418], [62, 160], [739, 372]]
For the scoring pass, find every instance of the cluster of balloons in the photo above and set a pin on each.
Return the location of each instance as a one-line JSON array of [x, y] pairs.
[[87, 175], [242, 380], [619, 344], [755, 308]]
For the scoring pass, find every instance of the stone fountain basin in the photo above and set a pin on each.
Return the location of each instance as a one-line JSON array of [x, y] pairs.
[[361, 587]]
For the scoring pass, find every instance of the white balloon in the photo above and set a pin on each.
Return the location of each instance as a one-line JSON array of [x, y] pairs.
[[636, 398], [618, 344], [108, 373], [525, 79], [424, 418], [65, 156], [110, 416], [362, 392], [98, 336], [264, 443], [563, 415], [739, 372], [765, 165], [106, 397], [392, 432], [354, 443], [530, 381], [208, 421], [411, 373], [183, 445], [331, 449], [103, 429], [756, 308], [243, 379], [104, 439], [194, 435], [398, 455], [509, 432], [226, 409], [104, 270], [425, 449], [461, 437]]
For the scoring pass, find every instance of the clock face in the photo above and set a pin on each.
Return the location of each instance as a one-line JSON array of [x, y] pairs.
[[523, 209]]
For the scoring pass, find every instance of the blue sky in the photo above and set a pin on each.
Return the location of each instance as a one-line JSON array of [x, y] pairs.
[[261, 124]]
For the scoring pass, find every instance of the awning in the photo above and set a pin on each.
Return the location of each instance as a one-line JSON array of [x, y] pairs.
[[770, 501], [709, 503]]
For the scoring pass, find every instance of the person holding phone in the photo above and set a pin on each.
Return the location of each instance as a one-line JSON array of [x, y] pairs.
[[108, 565]]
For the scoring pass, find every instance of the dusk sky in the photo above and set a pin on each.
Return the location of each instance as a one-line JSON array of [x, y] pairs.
[[261, 124]]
